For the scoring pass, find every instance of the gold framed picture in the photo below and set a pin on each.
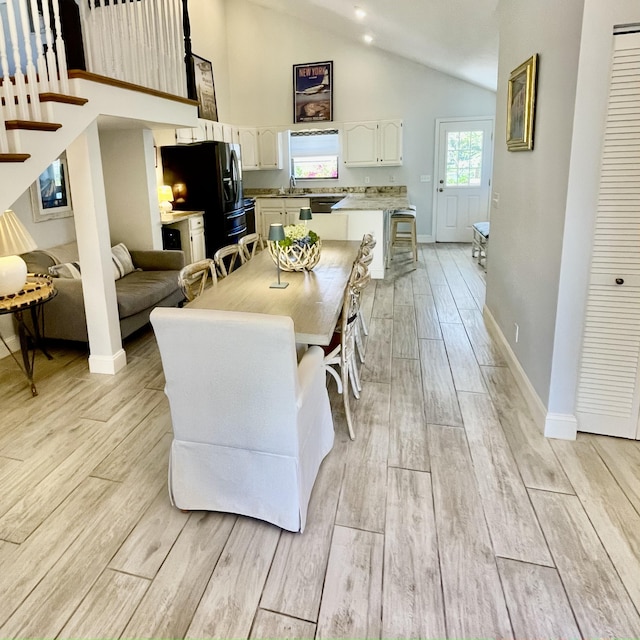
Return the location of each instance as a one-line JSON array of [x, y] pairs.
[[521, 105]]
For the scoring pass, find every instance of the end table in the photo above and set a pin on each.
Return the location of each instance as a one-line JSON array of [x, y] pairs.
[[37, 290]]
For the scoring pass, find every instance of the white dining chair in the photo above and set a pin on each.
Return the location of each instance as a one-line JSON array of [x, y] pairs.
[[250, 244], [235, 256]]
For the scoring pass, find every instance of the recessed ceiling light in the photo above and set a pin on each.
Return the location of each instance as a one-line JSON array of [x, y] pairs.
[[360, 13], [368, 38]]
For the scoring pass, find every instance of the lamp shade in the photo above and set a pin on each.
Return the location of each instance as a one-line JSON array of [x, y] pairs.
[[14, 239], [305, 213], [165, 193], [276, 232]]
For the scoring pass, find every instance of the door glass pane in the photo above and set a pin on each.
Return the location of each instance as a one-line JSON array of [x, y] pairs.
[[464, 158]]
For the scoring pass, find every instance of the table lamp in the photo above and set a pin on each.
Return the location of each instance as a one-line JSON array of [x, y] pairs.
[[14, 239], [276, 233], [179, 192], [165, 198], [305, 214]]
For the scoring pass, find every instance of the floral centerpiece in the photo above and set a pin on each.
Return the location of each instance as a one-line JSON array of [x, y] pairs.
[[299, 251]]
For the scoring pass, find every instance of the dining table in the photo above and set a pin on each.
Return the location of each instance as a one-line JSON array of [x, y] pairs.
[[313, 299]]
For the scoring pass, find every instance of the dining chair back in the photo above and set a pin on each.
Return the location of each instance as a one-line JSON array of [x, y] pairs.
[[341, 351], [246, 440], [194, 278], [234, 255], [250, 243]]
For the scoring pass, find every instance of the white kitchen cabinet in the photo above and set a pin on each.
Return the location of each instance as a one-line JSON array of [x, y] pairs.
[[247, 137], [269, 148], [227, 133], [278, 211], [191, 237], [372, 144]]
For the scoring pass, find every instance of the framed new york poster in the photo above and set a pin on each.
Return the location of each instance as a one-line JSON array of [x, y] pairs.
[[313, 92]]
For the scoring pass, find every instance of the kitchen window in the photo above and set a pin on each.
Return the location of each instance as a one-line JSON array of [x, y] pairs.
[[314, 154]]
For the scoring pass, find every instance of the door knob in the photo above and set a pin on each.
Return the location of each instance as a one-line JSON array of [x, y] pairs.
[[619, 281]]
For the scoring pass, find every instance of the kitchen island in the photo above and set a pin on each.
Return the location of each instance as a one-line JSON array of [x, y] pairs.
[[370, 214]]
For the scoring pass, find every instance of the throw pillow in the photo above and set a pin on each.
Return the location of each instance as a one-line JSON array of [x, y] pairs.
[[66, 270], [122, 262]]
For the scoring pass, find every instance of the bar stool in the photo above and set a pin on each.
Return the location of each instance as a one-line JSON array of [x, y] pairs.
[[404, 237]]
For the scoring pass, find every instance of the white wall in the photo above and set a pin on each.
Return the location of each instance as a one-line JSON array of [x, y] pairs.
[[369, 84], [130, 184], [527, 227], [209, 39], [591, 98]]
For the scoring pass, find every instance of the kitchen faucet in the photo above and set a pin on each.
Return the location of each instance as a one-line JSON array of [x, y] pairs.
[[292, 184]]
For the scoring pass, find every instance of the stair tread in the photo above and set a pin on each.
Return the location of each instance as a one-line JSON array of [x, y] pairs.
[[32, 125], [50, 96], [14, 157]]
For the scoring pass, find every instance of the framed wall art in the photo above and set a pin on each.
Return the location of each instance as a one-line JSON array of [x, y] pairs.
[[205, 90], [313, 92], [50, 194], [521, 105]]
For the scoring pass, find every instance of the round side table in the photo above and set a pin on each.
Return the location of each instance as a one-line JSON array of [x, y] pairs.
[[37, 290]]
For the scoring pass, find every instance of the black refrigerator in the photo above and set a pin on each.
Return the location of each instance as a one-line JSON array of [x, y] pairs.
[[207, 176]]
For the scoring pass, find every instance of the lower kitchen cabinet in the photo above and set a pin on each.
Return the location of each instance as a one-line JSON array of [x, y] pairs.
[[191, 237]]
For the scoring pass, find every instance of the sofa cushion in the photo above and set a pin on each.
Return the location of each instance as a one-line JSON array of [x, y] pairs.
[[122, 262], [141, 290]]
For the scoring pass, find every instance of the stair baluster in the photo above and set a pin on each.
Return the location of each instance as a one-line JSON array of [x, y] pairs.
[[41, 63], [22, 107], [54, 84], [32, 78], [61, 54]]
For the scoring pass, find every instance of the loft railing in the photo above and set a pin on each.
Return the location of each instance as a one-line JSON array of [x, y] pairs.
[[135, 41], [138, 41]]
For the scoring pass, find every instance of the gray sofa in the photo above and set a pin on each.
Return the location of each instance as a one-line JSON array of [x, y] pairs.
[[153, 284]]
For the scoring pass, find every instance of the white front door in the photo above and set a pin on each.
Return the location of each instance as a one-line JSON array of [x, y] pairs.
[[464, 154]]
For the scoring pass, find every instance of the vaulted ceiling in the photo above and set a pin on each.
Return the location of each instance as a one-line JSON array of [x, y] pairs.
[[458, 37]]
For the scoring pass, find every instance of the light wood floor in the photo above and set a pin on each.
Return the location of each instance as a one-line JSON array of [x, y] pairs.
[[450, 515]]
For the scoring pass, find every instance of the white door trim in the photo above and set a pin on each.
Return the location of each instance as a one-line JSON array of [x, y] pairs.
[[436, 156]]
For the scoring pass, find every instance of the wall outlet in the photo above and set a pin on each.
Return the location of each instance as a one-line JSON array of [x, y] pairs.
[[366, 179], [424, 178], [517, 330], [495, 199]]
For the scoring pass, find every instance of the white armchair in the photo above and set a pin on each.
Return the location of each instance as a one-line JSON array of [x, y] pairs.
[[251, 425]]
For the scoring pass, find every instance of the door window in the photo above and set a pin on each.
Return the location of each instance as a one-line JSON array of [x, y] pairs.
[[464, 158]]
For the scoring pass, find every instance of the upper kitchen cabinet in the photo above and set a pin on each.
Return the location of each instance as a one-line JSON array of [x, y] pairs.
[[260, 148], [372, 144]]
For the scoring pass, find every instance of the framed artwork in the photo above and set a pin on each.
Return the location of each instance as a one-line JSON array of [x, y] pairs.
[[50, 194], [521, 105], [205, 90], [313, 92]]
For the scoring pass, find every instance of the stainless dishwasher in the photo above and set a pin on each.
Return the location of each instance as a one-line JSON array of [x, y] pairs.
[[323, 204]]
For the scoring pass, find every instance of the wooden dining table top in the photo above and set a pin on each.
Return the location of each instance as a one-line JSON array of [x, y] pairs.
[[313, 299]]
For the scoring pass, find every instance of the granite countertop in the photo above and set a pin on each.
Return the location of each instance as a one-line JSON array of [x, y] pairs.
[[364, 202], [319, 192]]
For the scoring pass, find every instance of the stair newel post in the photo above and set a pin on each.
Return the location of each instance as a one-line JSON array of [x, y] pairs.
[[41, 63], [52, 68], [188, 59], [61, 52], [18, 75], [32, 77]]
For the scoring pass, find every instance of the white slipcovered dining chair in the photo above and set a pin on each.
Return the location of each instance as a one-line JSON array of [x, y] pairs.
[[246, 439]]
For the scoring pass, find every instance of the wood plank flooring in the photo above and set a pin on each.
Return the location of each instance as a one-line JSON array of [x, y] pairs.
[[450, 515]]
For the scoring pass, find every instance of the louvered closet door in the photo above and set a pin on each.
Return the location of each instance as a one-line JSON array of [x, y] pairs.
[[609, 386]]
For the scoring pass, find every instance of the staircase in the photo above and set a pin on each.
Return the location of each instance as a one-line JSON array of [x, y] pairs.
[[44, 107]]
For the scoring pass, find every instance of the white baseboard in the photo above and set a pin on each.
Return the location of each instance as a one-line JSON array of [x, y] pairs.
[[377, 274], [536, 406], [109, 365], [13, 342], [424, 239], [563, 426]]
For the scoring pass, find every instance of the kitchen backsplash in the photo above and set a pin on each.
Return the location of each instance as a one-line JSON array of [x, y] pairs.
[[395, 190]]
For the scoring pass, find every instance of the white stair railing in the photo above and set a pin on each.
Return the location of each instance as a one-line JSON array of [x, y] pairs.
[[137, 41], [29, 64]]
